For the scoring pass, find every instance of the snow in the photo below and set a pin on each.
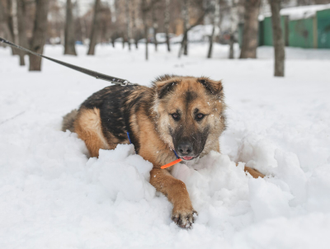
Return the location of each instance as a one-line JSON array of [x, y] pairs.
[[53, 196], [300, 12]]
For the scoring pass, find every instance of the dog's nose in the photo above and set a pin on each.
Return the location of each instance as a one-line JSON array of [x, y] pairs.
[[185, 148]]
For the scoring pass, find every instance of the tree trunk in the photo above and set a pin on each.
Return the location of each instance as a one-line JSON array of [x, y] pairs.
[[146, 38], [154, 27], [185, 13], [250, 31], [4, 25], [128, 25], [215, 20], [69, 42], [145, 25], [22, 40], [3, 22], [231, 46], [14, 20], [95, 29], [167, 23], [211, 38], [278, 41], [185, 17], [184, 45], [39, 34], [184, 42], [11, 5], [145, 9], [233, 27], [134, 30]]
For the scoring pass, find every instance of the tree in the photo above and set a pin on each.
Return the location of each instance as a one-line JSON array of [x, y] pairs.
[[185, 17], [250, 30], [234, 18], [154, 26], [137, 34], [167, 23], [95, 28], [278, 41], [215, 17], [199, 20], [12, 22], [145, 10], [22, 40], [4, 25], [128, 25], [69, 33], [39, 34]]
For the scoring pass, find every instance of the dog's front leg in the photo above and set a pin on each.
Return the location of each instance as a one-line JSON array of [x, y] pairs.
[[176, 192]]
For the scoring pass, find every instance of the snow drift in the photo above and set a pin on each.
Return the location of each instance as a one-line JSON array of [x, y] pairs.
[[53, 196]]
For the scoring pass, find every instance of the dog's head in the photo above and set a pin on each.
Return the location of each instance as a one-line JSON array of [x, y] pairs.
[[189, 114]]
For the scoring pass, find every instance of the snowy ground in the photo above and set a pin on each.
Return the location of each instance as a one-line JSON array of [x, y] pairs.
[[52, 196]]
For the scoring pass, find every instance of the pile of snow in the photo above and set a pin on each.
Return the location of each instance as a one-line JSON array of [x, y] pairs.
[[300, 12], [53, 196]]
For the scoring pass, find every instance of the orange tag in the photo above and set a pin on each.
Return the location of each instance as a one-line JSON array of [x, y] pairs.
[[171, 163]]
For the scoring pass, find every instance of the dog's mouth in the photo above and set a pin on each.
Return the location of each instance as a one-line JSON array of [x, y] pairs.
[[188, 158]]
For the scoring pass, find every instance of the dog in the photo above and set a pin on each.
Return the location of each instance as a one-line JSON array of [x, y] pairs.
[[176, 117]]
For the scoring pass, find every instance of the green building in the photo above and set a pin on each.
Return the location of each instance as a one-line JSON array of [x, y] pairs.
[[304, 27]]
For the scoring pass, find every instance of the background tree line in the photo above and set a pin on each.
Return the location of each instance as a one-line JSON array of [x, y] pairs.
[[32, 23]]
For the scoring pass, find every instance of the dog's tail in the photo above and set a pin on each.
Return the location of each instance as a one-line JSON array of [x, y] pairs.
[[68, 120]]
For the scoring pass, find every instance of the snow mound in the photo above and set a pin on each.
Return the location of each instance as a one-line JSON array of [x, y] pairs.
[[53, 196]]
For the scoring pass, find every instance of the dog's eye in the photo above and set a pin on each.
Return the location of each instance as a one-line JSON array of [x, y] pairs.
[[176, 116], [199, 116]]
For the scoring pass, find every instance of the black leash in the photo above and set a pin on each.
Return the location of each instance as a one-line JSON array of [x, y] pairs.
[[114, 80]]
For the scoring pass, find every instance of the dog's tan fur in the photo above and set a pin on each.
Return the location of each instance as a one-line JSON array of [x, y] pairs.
[[147, 112]]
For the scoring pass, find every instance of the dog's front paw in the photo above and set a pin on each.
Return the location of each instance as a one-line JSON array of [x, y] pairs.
[[184, 218]]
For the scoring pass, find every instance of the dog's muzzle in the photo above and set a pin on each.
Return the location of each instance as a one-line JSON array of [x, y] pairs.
[[185, 151]]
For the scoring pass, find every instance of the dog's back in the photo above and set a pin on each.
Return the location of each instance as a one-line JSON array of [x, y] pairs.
[[104, 118]]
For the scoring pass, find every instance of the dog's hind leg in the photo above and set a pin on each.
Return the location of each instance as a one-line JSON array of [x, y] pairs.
[[88, 126]]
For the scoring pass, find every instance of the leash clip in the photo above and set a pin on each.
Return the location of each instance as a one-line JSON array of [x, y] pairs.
[[125, 83]]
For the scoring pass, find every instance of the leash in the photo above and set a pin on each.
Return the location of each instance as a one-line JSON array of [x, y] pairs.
[[97, 75], [171, 163]]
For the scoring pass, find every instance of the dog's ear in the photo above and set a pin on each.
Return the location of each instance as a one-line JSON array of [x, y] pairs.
[[165, 86], [212, 86]]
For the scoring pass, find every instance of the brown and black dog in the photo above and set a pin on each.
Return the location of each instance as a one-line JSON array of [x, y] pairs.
[[182, 114]]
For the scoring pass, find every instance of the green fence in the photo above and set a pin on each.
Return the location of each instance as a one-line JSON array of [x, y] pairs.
[[313, 32], [323, 28], [302, 33], [267, 31]]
